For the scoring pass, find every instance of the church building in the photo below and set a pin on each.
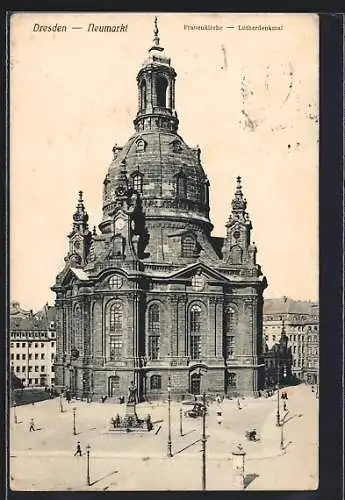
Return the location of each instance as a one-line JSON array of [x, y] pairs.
[[152, 294]]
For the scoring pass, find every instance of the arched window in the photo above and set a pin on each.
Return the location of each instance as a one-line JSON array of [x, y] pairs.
[[161, 90], [232, 379], [206, 195], [188, 246], [156, 382], [141, 146], [91, 255], [143, 95], [115, 328], [138, 183], [195, 332], [176, 146], [236, 254], [153, 331], [195, 383], [181, 186], [230, 327]]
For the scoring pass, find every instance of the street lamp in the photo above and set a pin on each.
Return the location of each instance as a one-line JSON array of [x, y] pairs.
[[203, 443], [282, 435], [15, 413], [74, 427], [278, 389], [169, 418], [61, 407], [181, 431], [88, 482]]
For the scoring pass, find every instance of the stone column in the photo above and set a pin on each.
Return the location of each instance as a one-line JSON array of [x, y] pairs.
[[182, 325], [218, 336], [169, 95], [149, 93], [130, 331], [60, 334], [172, 94], [97, 327], [69, 330], [248, 339], [255, 325], [86, 326], [174, 327], [211, 332]]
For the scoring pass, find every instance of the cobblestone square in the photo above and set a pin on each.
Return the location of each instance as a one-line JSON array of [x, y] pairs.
[[43, 460]]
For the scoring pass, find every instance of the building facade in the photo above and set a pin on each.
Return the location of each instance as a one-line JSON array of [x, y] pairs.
[[311, 342], [153, 294], [33, 345], [278, 362], [301, 320]]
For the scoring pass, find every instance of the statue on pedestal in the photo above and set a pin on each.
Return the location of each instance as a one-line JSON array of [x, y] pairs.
[[132, 394]]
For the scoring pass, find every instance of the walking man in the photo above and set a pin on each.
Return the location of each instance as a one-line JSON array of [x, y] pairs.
[[78, 450], [238, 404], [32, 425]]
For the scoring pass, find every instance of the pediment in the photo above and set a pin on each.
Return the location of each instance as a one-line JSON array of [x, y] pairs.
[[70, 274], [200, 268]]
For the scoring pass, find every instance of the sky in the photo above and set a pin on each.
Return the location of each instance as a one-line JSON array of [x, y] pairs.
[[249, 99]]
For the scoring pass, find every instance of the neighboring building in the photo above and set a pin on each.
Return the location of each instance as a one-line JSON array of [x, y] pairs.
[[32, 345], [301, 320], [155, 294], [278, 362], [311, 342]]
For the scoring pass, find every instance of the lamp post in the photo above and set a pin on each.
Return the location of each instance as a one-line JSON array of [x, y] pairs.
[[181, 430], [88, 482], [282, 435], [203, 443], [63, 369], [15, 413], [278, 389], [74, 427], [169, 419]]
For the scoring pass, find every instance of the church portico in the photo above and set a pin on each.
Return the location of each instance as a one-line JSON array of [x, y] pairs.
[[151, 293]]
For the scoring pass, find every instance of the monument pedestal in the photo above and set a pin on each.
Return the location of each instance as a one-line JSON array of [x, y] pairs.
[[130, 418], [130, 422]]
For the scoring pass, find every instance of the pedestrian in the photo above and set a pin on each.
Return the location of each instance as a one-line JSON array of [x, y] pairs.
[[219, 416], [78, 450], [32, 425], [238, 404], [218, 399]]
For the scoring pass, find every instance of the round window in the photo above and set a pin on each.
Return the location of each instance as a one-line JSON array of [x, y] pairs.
[[198, 283], [237, 234], [115, 281]]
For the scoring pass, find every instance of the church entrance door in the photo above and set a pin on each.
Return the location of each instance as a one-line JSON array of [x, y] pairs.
[[195, 383], [113, 386]]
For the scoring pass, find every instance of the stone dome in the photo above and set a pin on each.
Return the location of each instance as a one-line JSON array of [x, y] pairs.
[[156, 164], [166, 173]]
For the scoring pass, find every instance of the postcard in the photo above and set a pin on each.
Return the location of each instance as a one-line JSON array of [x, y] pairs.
[[164, 319]]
